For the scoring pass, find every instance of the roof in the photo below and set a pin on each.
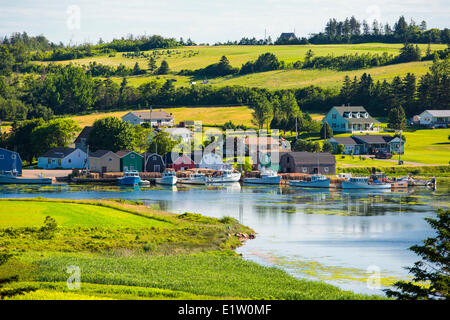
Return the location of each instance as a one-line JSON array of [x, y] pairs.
[[439, 113], [371, 139], [347, 109], [84, 134], [345, 140], [311, 158], [8, 150], [99, 153], [155, 115], [58, 153], [123, 153], [287, 35]]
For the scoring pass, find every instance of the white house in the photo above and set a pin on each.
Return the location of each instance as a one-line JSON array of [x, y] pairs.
[[351, 120], [155, 118], [185, 134], [433, 117], [211, 161], [63, 158]]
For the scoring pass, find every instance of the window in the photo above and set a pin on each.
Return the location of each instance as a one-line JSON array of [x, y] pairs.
[[13, 156], [304, 170], [70, 161], [2, 157], [343, 125], [334, 125], [326, 169], [110, 159], [334, 116], [154, 158], [287, 159], [132, 156]]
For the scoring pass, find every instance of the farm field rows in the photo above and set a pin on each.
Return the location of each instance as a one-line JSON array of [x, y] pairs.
[[180, 257], [182, 58], [211, 116]]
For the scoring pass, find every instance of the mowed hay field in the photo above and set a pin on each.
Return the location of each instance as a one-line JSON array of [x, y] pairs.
[[183, 58], [211, 116]]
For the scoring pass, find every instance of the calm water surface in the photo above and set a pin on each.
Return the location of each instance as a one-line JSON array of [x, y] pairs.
[[335, 236]]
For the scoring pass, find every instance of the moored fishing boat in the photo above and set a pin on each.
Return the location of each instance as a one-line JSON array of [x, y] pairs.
[[317, 181], [194, 178], [130, 178], [364, 183], [169, 178], [267, 177], [226, 176], [10, 177]]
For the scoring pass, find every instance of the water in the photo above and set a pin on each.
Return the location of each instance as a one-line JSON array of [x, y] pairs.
[[343, 238]]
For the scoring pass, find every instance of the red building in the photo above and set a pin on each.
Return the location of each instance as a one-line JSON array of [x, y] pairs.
[[183, 162]]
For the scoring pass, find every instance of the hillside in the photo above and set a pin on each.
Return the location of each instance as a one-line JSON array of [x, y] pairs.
[[199, 57]]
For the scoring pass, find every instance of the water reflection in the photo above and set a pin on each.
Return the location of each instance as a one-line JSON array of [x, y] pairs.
[[351, 229]]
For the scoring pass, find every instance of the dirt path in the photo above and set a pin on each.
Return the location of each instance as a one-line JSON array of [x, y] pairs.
[[34, 173]]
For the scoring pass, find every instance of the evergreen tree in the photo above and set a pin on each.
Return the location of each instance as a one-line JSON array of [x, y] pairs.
[[152, 64], [432, 272], [163, 68], [327, 147], [397, 119], [326, 132]]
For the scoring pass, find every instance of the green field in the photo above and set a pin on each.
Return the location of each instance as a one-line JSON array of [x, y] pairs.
[[238, 55], [127, 251], [426, 146]]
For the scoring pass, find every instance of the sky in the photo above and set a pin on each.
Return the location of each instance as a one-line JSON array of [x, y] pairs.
[[204, 21]]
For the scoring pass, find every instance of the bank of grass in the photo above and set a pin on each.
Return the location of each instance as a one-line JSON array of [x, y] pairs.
[[400, 171], [424, 146], [127, 251], [209, 116]]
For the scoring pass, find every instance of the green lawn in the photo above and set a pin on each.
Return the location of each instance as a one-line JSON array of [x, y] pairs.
[[127, 251], [430, 146], [426, 146]]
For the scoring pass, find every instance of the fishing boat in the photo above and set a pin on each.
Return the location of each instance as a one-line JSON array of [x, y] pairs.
[[364, 183], [267, 177], [169, 178], [130, 178], [194, 178], [317, 181], [11, 177], [226, 176]]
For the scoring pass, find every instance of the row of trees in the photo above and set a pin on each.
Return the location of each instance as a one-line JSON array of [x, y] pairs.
[[352, 30]]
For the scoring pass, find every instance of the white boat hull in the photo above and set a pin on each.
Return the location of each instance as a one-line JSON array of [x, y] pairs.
[[234, 177], [192, 181], [167, 181], [264, 180], [362, 185], [311, 184]]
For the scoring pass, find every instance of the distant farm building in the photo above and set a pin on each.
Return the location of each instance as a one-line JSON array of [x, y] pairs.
[[433, 118], [10, 161], [154, 163], [104, 161], [81, 140], [155, 118], [308, 163], [130, 161], [287, 36], [63, 158]]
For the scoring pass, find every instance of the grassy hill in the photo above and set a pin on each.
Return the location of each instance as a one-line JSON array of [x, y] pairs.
[[199, 57], [128, 251]]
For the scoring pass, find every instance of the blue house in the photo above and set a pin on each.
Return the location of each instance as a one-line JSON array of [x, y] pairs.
[[10, 161]]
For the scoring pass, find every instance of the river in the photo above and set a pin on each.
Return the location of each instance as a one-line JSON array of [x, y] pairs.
[[356, 240]]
